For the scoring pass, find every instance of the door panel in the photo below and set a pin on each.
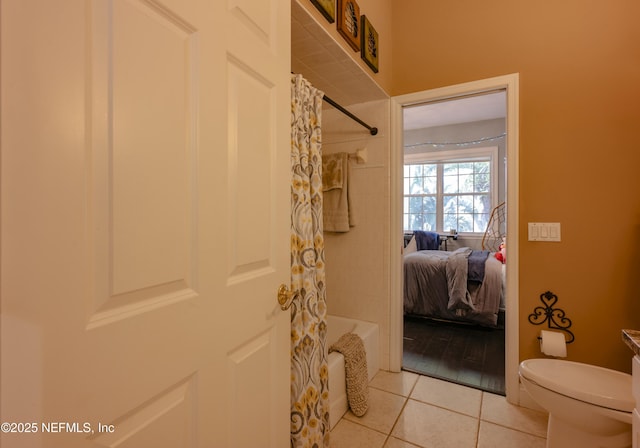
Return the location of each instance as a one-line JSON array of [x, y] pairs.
[[145, 222], [144, 148], [164, 421], [251, 148], [151, 122]]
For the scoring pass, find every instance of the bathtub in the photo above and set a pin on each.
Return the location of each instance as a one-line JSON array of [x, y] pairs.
[[336, 327]]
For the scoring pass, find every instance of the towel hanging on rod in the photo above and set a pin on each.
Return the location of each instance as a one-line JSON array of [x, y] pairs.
[[373, 130]]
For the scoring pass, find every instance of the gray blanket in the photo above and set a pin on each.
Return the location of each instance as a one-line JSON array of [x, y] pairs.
[[436, 285], [457, 272]]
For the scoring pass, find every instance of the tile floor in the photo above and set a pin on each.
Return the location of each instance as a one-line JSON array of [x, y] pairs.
[[407, 410]]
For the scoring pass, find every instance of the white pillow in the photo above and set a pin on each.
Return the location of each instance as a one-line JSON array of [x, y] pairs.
[[412, 246]]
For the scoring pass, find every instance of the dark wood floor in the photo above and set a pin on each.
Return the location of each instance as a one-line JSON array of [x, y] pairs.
[[464, 354]]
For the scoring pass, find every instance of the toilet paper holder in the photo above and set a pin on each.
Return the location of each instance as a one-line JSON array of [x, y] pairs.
[[555, 317]]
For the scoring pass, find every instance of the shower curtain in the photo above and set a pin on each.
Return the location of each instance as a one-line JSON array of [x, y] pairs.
[[309, 369]]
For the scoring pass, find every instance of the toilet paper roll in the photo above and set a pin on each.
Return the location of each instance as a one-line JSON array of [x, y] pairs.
[[553, 343]]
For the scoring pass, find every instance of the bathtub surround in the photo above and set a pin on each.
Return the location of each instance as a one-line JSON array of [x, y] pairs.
[[358, 261], [309, 367]]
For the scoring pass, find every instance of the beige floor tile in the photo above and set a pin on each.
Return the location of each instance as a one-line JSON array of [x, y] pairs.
[[431, 426], [496, 409], [495, 436], [347, 434], [455, 397], [397, 443], [384, 409], [400, 383]]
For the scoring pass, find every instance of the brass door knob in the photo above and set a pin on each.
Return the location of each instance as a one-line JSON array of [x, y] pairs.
[[285, 297]]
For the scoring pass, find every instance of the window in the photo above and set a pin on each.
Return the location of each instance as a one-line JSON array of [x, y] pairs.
[[449, 190]]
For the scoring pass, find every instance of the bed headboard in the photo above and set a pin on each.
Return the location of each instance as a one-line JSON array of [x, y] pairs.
[[496, 228]]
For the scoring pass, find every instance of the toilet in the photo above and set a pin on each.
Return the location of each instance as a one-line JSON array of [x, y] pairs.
[[589, 406]]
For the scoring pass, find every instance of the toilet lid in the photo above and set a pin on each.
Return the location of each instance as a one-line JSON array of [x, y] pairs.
[[592, 384]]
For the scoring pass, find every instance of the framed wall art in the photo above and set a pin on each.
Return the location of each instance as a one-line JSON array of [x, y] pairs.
[[369, 43], [327, 8], [349, 22]]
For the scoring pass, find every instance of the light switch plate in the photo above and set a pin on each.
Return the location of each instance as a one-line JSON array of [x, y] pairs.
[[544, 231]]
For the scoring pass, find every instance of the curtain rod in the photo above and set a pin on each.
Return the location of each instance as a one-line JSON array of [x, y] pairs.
[[372, 130]]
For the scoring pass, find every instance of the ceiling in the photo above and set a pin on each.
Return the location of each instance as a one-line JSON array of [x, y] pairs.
[[330, 68], [462, 110]]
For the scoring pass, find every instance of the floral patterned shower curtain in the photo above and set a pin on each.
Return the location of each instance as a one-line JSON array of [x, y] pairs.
[[309, 370]]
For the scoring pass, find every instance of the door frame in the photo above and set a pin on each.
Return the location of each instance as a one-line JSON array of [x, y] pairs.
[[511, 84]]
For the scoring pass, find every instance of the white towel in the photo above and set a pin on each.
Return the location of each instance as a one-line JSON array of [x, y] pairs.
[[337, 206]]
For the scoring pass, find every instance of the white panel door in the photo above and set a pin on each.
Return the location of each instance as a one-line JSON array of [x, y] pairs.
[[145, 214]]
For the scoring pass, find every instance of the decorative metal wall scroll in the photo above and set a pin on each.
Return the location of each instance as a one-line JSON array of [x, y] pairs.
[[555, 317]]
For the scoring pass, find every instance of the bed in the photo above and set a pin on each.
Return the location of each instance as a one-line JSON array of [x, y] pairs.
[[437, 285]]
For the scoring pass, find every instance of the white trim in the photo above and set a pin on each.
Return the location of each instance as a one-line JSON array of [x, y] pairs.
[[511, 84], [454, 155]]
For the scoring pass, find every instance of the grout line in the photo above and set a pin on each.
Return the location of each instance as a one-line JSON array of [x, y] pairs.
[[479, 420], [482, 419], [406, 400], [365, 427], [444, 408], [515, 429]]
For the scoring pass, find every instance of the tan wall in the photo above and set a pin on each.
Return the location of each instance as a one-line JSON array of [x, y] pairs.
[[579, 65]]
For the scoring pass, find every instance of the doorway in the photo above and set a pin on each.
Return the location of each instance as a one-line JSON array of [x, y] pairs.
[[509, 84], [454, 177]]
